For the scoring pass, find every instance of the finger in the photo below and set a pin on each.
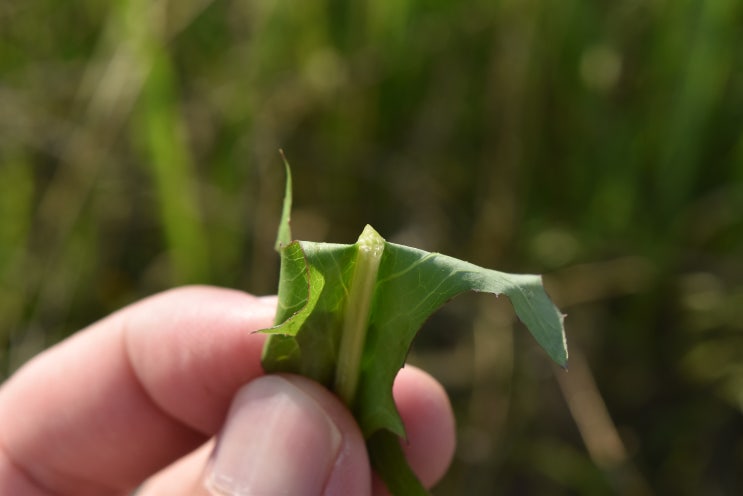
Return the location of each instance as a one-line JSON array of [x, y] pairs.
[[184, 477], [118, 401], [429, 426], [423, 405], [429, 423], [284, 435]]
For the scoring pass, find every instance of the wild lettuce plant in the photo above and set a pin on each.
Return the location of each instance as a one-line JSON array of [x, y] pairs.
[[347, 315]]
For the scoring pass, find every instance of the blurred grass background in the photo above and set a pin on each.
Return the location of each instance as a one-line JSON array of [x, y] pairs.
[[599, 143]]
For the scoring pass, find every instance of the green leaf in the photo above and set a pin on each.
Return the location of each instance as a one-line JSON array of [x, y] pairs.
[[411, 285], [388, 459], [313, 286], [348, 314], [284, 236]]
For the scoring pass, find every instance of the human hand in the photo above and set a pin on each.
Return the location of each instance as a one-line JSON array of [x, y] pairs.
[[142, 395]]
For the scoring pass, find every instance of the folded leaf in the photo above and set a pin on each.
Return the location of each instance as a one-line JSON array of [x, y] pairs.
[[348, 314]]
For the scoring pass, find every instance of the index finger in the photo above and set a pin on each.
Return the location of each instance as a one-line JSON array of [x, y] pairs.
[[102, 410]]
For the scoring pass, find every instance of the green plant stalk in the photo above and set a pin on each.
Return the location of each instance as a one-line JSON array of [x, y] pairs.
[[356, 319]]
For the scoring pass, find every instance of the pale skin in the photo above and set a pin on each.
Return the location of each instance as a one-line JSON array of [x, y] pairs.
[[138, 399]]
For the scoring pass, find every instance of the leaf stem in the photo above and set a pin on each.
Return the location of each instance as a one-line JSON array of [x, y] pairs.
[[356, 319]]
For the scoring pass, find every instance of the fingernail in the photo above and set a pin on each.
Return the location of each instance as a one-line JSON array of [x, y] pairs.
[[277, 440], [269, 300]]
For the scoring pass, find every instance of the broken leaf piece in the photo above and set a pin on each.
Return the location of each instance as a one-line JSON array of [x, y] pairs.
[[347, 316]]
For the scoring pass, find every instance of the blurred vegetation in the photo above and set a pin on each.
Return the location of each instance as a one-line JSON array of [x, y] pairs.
[[599, 143]]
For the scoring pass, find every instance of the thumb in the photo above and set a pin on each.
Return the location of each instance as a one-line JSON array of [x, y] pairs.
[[283, 434], [288, 435]]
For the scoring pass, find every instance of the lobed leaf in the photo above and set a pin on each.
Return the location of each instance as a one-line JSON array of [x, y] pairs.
[[335, 297]]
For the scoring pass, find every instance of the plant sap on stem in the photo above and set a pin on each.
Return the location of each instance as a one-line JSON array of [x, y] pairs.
[[356, 319]]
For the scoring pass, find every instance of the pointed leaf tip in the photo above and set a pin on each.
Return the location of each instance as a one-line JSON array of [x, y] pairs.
[[284, 234]]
